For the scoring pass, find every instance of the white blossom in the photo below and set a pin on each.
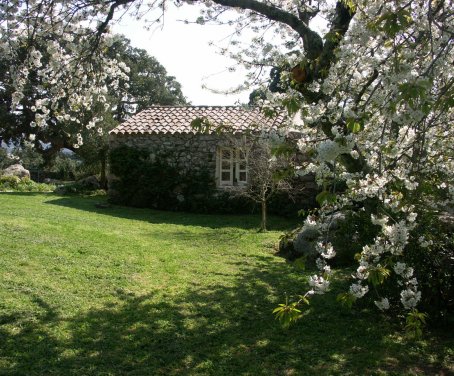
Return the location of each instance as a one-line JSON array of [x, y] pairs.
[[319, 284], [399, 268], [403, 270], [362, 271], [410, 298], [382, 304], [326, 250], [397, 233], [358, 290]]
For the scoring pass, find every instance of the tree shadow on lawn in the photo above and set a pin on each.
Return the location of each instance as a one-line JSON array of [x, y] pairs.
[[246, 221], [214, 330]]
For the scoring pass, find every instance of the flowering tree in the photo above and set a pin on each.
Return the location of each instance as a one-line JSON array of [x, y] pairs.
[[147, 84], [52, 50], [378, 110], [375, 92]]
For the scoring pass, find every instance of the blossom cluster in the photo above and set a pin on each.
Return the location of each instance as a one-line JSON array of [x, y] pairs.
[[57, 44]]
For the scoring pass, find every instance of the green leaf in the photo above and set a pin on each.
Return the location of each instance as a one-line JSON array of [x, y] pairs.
[[354, 126], [304, 300], [378, 275], [269, 112], [201, 125], [415, 323], [332, 36], [326, 197], [346, 299], [350, 4], [292, 105], [392, 22], [283, 149], [287, 314]]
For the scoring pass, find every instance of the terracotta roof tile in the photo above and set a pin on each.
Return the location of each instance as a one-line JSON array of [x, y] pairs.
[[178, 119]]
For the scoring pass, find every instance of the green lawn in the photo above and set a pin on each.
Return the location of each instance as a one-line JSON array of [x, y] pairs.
[[122, 291]]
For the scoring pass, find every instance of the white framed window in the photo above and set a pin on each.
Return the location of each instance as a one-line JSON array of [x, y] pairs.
[[226, 166], [232, 167]]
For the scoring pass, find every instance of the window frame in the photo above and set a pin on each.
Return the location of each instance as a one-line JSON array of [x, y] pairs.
[[225, 170], [237, 158]]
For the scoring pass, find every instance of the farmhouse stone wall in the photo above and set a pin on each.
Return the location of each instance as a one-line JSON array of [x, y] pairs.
[[186, 151], [196, 152]]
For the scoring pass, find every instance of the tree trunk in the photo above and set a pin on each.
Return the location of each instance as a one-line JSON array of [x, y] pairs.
[[102, 179], [263, 223]]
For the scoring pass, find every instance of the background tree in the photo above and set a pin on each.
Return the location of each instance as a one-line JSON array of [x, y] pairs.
[[148, 82], [148, 85], [94, 147], [26, 155]]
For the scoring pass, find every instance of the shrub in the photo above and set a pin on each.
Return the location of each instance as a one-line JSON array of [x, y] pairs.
[[15, 184], [9, 183], [78, 189], [347, 234], [143, 181], [350, 235], [154, 182], [64, 167], [301, 196]]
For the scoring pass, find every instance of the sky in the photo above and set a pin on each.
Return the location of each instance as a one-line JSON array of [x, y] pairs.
[[184, 51]]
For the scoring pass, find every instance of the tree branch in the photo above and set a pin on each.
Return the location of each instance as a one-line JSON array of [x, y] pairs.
[[369, 82], [339, 26], [313, 44], [103, 26]]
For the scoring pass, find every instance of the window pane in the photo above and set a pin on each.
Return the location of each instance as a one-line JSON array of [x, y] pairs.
[[225, 165], [225, 176], [243, 166], [242, 176]]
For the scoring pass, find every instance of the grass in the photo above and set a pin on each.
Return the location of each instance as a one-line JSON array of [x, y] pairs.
[[122, 291]]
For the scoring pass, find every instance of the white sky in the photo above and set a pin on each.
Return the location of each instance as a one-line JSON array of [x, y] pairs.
[[184, 52]]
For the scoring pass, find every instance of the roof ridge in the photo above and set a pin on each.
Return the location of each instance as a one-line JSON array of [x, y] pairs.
[[179, 118], [199, 105]]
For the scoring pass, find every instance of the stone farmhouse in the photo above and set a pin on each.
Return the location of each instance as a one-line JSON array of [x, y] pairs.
[[169, 130], [198, 158]]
